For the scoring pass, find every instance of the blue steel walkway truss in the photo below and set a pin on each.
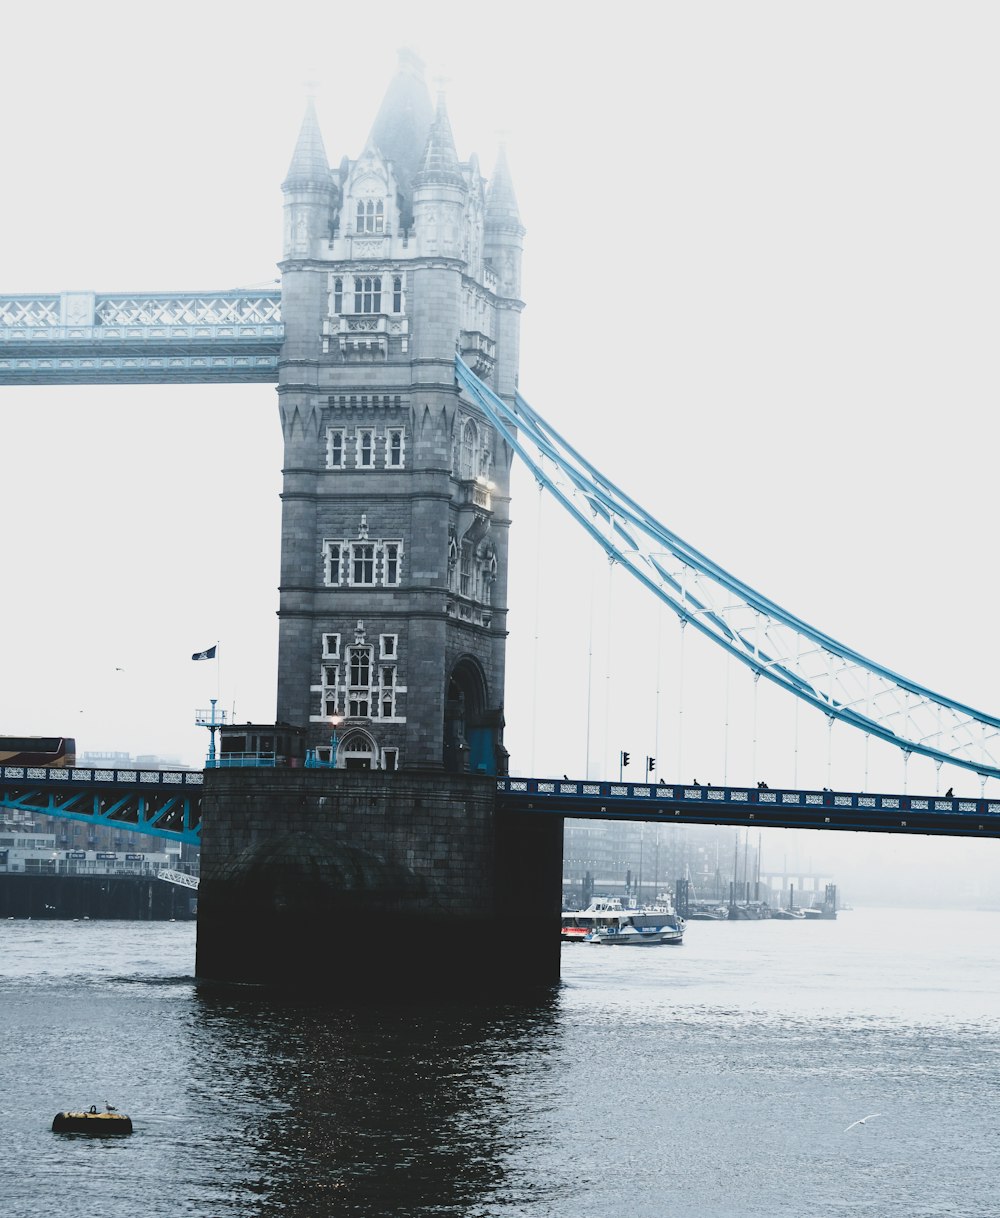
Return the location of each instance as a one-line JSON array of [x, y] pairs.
[[161, 803], [772, 642], [82, 338]]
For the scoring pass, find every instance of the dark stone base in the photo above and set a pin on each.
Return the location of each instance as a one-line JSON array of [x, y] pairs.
[[355, 884]]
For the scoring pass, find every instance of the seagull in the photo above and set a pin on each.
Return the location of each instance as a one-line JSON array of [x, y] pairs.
[[110, 1107], [869, 1117]]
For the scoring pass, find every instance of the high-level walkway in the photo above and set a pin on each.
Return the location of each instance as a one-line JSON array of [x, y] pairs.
[[127, 338]]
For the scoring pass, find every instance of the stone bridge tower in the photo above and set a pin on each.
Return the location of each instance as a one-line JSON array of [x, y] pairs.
[[393, 596], [393, 599]]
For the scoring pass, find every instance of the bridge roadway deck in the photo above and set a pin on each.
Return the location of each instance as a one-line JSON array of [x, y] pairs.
[[167, 803], [782, 808]]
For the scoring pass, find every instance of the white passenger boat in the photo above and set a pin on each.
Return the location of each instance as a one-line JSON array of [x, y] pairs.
[[607, 921]]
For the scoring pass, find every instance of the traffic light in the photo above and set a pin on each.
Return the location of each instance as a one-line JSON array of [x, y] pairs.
[[625, 758], [650, 764]]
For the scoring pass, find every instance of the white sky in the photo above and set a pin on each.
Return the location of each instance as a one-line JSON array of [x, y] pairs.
[[761, 276]]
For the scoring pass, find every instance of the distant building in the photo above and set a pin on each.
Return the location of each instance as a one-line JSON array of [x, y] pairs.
[[32, 853], [642, 859]]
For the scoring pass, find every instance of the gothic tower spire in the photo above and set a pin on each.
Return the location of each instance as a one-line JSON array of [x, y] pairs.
[[503, 244], [439, 164], [309, 190], [309, 166], [401, 125], [501, 202]]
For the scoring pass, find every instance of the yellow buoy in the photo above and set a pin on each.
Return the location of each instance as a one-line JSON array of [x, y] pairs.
[[92, 1121]]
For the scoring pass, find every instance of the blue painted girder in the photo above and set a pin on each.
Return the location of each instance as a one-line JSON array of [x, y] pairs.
[[773, 643], [170, 810]]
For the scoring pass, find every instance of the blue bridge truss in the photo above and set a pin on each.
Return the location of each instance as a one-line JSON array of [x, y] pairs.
[[160, 803], [773, 643], [163, 337]]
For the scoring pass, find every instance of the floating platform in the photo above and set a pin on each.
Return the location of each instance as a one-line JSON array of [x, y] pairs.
[[100, 1123]]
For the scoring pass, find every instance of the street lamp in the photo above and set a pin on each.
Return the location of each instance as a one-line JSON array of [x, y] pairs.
[[335, 722]]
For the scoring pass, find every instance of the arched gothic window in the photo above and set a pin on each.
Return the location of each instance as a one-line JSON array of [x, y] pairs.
[[370, 216], [468, 464], [368, 294]]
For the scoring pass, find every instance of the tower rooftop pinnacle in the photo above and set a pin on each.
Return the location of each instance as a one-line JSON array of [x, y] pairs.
[[501, 202], [404, 120], [309, 164], [440, 160]]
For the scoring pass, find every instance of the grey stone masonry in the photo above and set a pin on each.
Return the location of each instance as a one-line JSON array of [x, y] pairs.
[[346, 882], [395, 497]]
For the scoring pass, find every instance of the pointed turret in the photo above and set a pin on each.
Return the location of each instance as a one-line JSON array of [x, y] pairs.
[[440, 192], [309, 165], [439, 165], [501, 202], [503, 229], [309, 190]]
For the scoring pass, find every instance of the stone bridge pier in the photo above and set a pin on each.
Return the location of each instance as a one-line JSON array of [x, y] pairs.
[[344, 883]]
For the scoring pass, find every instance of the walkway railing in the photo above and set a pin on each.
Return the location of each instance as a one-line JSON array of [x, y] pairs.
[[695, 804]]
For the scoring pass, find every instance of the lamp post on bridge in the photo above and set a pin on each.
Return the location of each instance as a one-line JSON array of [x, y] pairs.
[[212, 720], [335, 722]]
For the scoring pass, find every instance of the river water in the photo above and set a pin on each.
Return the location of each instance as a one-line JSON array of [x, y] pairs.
[[713, 1079]]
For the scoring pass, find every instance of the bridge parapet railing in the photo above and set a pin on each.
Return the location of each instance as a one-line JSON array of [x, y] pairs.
[[130, 778], [29, 312], [82, 312], [242, 761], [560, 790]]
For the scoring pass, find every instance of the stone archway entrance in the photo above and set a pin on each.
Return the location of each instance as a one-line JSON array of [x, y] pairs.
[[358, 751], [472, 731]]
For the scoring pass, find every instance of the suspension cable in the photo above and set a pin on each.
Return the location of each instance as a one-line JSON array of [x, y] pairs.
[[804, 661]]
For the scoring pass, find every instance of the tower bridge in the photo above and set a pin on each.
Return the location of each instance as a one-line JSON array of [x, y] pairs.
[[394, 344]]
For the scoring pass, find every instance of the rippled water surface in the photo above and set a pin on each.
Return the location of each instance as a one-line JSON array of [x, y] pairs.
[[712, 1079]]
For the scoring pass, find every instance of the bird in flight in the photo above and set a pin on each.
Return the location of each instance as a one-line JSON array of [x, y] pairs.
[[862, 1120]]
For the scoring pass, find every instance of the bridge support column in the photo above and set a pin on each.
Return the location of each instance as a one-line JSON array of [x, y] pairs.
[[348, 883]]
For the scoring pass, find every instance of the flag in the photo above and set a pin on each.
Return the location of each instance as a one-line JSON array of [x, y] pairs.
[[205, 655]]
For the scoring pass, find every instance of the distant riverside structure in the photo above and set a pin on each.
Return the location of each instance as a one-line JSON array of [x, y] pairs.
[[393, 599]]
